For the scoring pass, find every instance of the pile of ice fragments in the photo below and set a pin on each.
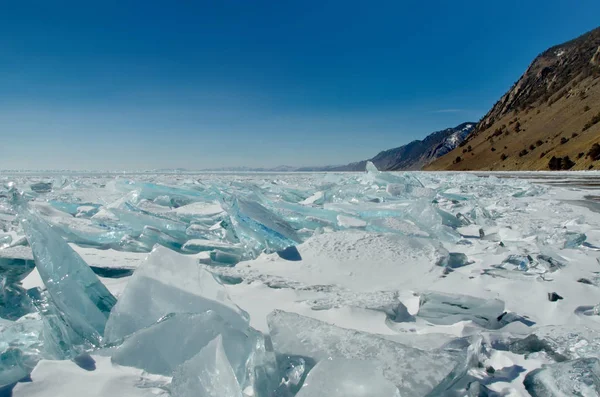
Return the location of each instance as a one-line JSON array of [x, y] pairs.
[[463, 270]]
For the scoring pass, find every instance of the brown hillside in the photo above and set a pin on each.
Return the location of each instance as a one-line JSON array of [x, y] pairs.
[[552, 111]]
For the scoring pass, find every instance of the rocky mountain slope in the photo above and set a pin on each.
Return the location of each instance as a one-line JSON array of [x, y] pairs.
[[416, 154], [549, 119]]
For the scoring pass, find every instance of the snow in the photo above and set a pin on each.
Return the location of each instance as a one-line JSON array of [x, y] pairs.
[[66, 379]]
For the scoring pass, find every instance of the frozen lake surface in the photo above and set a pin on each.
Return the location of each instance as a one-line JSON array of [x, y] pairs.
[[307, 284]]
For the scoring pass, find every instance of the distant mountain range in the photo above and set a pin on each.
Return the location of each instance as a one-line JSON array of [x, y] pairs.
[[549, 119], [414, 155]]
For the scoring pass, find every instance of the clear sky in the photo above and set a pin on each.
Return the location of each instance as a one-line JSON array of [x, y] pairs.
[[197, 84]]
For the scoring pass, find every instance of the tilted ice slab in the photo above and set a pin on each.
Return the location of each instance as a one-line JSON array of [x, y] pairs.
[[359, 261], [256, 224], [415, 372], [163, 346], [347, 378], [208, 374], [83, 301], [166, 283]]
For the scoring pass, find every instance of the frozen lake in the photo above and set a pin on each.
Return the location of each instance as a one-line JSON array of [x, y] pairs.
[[283, 284]]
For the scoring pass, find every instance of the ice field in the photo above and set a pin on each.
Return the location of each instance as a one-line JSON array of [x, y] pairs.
[[300, 284]]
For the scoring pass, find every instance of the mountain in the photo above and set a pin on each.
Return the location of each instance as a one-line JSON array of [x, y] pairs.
[[414, 155], [549, 119]]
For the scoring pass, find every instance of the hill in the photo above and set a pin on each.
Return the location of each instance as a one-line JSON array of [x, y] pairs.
[[549, 119]]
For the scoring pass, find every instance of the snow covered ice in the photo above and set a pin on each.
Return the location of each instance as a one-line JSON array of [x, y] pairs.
[[298, 284]]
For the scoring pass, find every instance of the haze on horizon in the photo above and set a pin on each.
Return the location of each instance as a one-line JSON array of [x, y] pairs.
[[208, 84]]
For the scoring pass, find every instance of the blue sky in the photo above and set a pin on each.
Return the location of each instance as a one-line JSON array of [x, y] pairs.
[[198, 84]]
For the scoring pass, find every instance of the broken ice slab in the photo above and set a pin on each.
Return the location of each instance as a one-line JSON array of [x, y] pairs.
[[16, 263], [347, 378], [454, 260], [427, 217], [574, 240], [450, 220], [168, 282], [579, 377], [406, 179], [172, 196], [61, 341], [415, 372], [130, 244], [21, 347], [481, 216], [163, 346], [208, 374], [76, 209], [445, 309], [458, 380], [259, 228], [76, 230], [199, 212], [41, 187], [151, 236], [300, 216], [412, 191], [195, 246], [134, 221], [78, 294], [520, 262]]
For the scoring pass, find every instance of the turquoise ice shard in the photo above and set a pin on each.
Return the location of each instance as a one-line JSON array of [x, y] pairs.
[[458, 380], [370, 168], [208, 374], [347, 378], [80, 297], [574, 240], [134, 220], [163, 346], [41, 187], [415, 372], [59, 338], [168, 282], [151, 236], [261, 228], [446, 309], [151, 191], [21, 347], [579, 377], [199, 245], [429, 219], [15, 264]]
